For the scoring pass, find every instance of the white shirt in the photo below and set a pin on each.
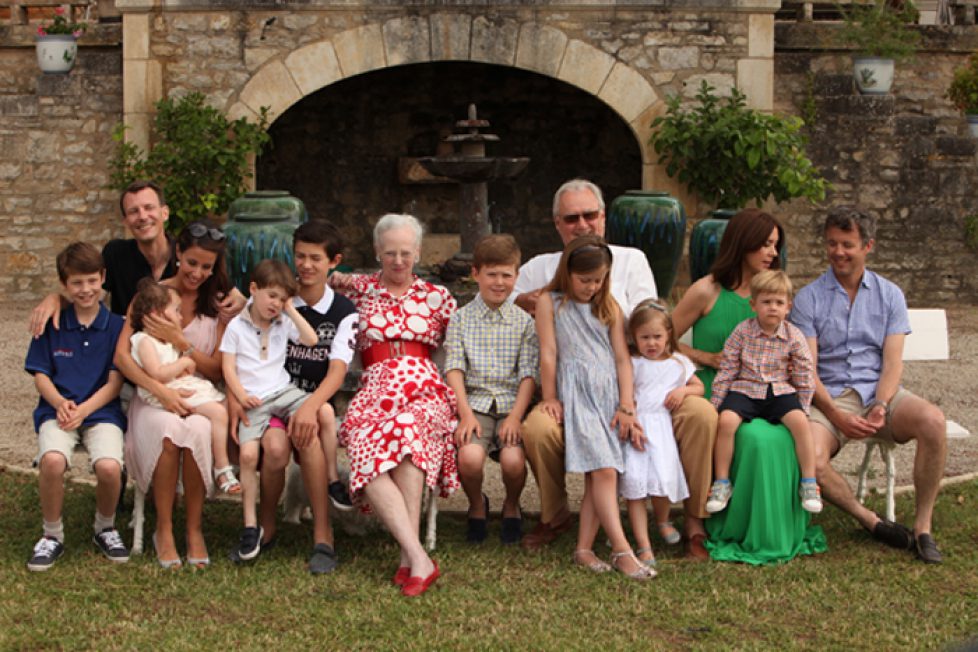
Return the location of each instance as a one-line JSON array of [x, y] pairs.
[[631, 277], [260, 355]]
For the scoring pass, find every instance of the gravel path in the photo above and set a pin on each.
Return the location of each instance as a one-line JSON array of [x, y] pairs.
[[951, 384]]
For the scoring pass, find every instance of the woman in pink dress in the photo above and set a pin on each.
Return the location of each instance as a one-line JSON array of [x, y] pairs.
[[398, 428], [159, 439]]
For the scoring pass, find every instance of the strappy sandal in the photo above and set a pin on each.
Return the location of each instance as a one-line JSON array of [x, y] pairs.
[[595, 565], [642, 573], [669, 533], [230, 485], [649, 563]]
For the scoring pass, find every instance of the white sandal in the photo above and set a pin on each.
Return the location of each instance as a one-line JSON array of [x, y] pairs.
[[642, 573], [650, 563], [230, 485]]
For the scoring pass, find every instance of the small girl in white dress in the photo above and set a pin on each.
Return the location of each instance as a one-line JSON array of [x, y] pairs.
[[663, 378], [161, 361]]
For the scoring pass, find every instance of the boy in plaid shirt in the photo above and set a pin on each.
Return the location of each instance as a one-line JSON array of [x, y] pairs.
[[492, 357], [766, 371]]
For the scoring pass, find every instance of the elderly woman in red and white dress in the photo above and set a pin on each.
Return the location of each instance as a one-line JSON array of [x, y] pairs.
[[398, 428]]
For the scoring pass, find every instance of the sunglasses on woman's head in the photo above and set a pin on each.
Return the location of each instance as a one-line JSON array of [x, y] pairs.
[[199, 230]]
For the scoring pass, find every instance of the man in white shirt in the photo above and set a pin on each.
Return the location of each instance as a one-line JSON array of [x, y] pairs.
[[578, 210]]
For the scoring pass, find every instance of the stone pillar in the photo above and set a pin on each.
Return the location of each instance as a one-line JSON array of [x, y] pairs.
[[755, 72], [142, 78]]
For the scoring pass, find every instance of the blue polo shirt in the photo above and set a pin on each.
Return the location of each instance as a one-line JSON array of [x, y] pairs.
[[78, 360], [850, 338]]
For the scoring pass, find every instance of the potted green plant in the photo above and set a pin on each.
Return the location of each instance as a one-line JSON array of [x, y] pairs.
[[57, 43], [963, 92], [881, 33], [729, 155], [198, 156]]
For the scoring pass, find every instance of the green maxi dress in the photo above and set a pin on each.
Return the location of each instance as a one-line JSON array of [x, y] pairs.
[[764, 522]]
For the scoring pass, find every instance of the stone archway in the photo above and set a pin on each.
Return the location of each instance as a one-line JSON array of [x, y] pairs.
[[280, 83]]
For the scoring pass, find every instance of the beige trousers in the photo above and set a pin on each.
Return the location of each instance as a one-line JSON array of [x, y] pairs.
[[695, 425]]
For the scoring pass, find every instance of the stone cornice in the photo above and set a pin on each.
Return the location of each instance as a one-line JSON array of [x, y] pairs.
[[108, 34], [737, 6]]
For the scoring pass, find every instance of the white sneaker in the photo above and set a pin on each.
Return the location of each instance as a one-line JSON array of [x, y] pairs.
[[720, 494], [811, 497]]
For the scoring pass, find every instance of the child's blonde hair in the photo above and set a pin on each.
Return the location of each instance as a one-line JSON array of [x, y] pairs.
[[151, 296], [582, 255], [773, 281], [651, 311]]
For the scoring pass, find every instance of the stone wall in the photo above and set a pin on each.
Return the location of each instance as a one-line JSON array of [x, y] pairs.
[[55, 139], [907, 157]]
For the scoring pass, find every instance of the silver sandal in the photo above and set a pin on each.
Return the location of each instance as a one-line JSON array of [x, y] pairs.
[[595, 566], [643, 572], [649, 563]]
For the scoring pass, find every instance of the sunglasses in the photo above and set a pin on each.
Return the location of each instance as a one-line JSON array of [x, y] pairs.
[[199, 230], [574, 218]]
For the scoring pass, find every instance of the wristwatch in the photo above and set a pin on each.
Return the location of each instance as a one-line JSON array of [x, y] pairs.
[[884, 404]]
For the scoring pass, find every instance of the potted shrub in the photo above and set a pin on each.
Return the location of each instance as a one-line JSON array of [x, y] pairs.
[[963, 92], [881, 33], [57, 43], [198, 156], [729, 155]]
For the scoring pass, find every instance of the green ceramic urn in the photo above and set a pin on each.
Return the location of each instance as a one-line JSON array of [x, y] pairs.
[[259, 226], [654, 222]]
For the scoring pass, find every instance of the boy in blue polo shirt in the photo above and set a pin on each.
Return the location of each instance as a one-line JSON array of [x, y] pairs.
[[79, 403]]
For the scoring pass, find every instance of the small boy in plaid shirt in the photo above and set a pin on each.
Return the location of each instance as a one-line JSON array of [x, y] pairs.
[[766, 371], [492, 357]]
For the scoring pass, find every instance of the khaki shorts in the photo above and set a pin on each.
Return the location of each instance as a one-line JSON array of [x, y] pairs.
[[850, 401], [101, 440], [489, 440]]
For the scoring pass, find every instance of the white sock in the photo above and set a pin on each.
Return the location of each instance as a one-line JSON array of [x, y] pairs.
[[104, 522], [55, 530]]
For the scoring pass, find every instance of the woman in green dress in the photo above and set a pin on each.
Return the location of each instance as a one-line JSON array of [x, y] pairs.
[[764, 521]]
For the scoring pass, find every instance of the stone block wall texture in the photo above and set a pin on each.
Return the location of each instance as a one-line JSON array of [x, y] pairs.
[[907, 157], [55, 140]]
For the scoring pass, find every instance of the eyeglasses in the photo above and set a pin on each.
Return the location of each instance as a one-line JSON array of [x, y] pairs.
[[574, 218], [199, 230]]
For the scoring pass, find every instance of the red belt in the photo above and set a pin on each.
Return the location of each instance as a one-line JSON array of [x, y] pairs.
[[393, 349]]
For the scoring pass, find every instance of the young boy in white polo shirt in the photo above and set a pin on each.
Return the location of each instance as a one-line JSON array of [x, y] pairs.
[[254, 348]]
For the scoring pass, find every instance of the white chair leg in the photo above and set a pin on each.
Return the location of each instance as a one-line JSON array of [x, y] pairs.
[[138, 520], [863, 470], [431, 529], [886, 451]]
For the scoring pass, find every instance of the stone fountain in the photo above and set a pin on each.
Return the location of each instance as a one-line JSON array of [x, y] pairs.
[[472, 170]]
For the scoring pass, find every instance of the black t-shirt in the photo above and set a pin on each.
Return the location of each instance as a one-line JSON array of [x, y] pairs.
[[125, 267], [307, 365]]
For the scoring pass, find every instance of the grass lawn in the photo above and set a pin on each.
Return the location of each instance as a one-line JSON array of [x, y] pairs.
[[859, 595]]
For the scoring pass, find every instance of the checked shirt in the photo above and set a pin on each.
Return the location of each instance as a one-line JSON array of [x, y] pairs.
[[752, 360], [495, 349]]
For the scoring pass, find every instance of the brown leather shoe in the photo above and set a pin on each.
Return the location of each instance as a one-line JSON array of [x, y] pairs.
[[695, 549], [544, 534]]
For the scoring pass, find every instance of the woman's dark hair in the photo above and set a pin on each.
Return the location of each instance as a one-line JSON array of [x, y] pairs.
[[218, 285], [151, 296], [747, 231], [583, 255]]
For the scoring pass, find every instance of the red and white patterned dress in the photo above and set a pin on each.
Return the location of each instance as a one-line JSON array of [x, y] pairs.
[[403, 406]]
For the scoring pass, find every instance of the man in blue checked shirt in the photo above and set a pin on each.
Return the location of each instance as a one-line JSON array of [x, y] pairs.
[[855, 322], [492, 357]]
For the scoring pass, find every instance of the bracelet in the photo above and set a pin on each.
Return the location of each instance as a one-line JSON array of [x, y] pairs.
[[189, 351], [627, 411]]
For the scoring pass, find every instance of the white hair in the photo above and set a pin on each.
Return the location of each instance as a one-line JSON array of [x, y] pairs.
[[577, 184], [395, 221]]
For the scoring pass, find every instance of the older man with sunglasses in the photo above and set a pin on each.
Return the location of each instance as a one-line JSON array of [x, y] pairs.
[[578, 209]]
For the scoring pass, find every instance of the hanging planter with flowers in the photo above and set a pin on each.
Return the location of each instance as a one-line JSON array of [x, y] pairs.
[[57, 43]]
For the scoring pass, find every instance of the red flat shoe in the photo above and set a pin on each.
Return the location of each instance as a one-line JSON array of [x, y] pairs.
[[415, 586], [402, 575]]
